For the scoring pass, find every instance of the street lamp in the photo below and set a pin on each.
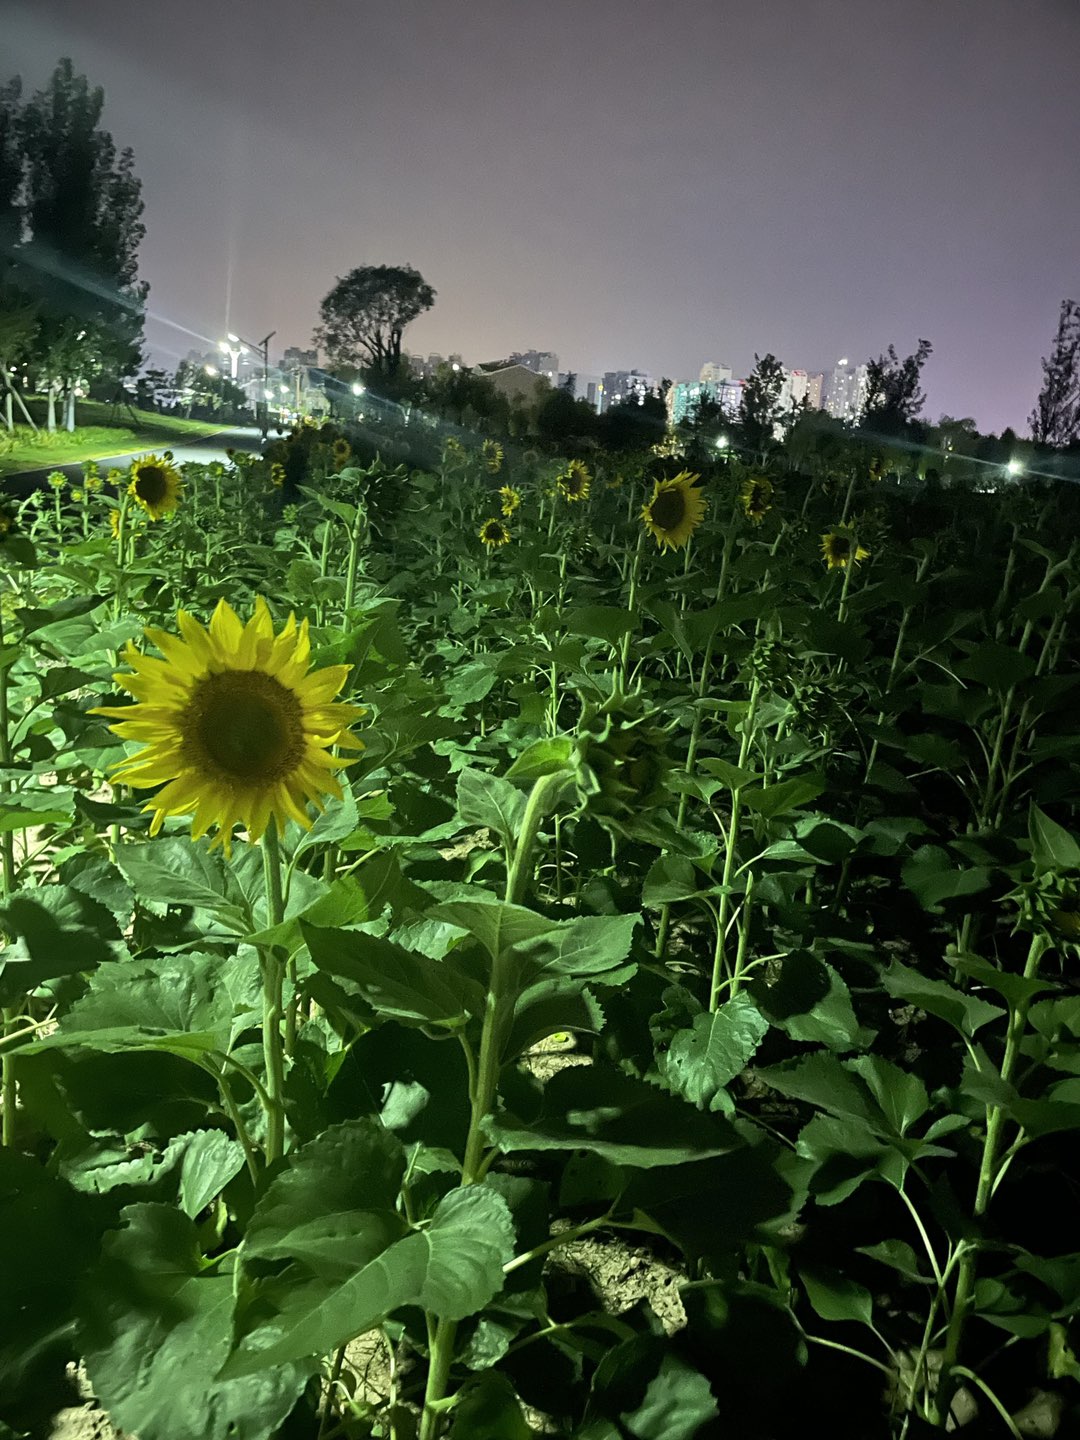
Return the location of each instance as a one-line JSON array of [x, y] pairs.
[[1013, 468], [357, 388], [722, 442], [234, 347]]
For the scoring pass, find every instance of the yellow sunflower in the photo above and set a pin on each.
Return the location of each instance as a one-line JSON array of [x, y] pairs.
[[494, 533], [155, 485], [840, 548], [342, 451], [756, 496], [277, 475], [573, 484], [57, 479], [235, 726], [510, 499], [492, 453], [674, 511], [114, 523], [93, 484]]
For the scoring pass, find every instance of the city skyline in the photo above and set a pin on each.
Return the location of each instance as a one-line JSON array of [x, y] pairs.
[[810, 181]]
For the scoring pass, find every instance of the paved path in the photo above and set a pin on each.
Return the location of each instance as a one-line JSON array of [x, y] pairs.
[[202, 451]]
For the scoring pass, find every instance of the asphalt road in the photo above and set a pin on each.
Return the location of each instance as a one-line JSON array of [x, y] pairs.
[[202, 452]]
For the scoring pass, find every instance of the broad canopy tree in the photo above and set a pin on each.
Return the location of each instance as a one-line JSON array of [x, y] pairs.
[[364, 316], [894, 393]]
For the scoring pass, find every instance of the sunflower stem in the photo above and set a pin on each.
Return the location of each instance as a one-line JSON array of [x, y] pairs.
[[631, 604], [8, 1096], [355, 535], [273, 974]]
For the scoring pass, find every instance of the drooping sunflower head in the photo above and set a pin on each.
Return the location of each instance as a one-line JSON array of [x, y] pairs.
[[494, 533], [115, 477], [492, 454], [575, 481], [840, 548], [623, 760], [114, 523], [93, 484], [756, 496], [342, 451], [511, 499], [155, 485], [235, 726], [674, 511], [277, 475]]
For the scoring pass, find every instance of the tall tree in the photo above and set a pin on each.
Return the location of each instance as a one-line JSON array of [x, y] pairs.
[[759, 406], [894, 393], [1056, 417], [79, 253], [364, 316], [18, 319]]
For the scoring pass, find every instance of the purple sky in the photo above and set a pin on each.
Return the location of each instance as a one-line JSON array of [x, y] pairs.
[[631, 185]]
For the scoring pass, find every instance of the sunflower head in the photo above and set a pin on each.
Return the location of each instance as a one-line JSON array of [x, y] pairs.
[[511, 499], [494, 533], [234, 725], [7, 522], [115, 477], [840, 548], [674, 511], [57, 479], [342, 451], [114, 523], [491, 453], [93, 484], [756, 497], [277, 475], [155, 484], [574, 482], [622, 760]]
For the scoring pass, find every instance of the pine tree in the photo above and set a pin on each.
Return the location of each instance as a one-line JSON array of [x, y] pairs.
[[1056, 417]]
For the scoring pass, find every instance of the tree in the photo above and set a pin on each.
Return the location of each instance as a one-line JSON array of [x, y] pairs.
[[1056, 417], [759, 406], [365, 314], [81, 223], [569, 382], [894, 394]]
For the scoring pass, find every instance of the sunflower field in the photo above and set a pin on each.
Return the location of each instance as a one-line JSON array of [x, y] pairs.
[[503, 945]]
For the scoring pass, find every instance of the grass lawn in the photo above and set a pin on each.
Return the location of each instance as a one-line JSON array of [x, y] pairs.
[[102, 431]]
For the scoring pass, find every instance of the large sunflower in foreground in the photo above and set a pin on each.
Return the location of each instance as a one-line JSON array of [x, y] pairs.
[[756, 496], [494, 533], [155, 485], [235, 725], [840, 548], [574, 483], [674, 511]]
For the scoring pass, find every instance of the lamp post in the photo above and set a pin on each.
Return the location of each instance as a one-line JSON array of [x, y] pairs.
[[234, 347]]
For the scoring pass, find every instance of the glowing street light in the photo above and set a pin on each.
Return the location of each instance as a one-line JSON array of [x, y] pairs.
[[212, 371], [722, 442], [1014, 467], [357, 388]]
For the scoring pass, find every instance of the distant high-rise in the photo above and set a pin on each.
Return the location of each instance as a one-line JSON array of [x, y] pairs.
[[713, 373], [815, 390], [845, 393], [685, 396], [294, 358], [540, 362], [621, 386]]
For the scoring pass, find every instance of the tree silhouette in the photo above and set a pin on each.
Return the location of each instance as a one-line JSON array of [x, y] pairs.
[[1056, 417], [365, 314]]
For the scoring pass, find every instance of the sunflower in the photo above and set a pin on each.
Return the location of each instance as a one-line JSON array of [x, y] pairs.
[[674, 511], [78, 494], [277, 475], [234, 726], [494, 533], [492, 454], [840, 548], [155, 485], [115, 478], [93, 484], [342, 451], [57, 479], [756, 497], [114, 523], [511, 499], [573, 484]]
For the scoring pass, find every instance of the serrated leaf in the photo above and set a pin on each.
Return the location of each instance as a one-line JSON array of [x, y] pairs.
[[966, 1013], [496, 926], [1053, 848], [700, 1062], [491, 801]]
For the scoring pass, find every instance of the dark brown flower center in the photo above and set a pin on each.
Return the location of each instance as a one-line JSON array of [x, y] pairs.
[[151, 484], [668, 510], [245, 725]]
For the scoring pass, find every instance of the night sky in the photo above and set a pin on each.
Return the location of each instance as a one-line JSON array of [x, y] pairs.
[[629, 184]]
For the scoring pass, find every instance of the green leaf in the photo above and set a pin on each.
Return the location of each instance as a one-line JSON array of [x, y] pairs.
[[339, 819], [544, 757], [900, 1095], [673, 878], [157, 1326], [491, 801], [56, 931], [624, 1120], [933, 876], [899, 1256], [966, 1013], [821, 1080], [678, 1402], [180, 871], [349, 1277], [208, 1161], [1053, 848], [31, 619], [601, 622], [835, 1297], [342, 902], [496, 926], [700, 1062], [998, 667], [488, 1409], [400, 983], [585, 947], [730, 775], [772, 800], [810, 1001]]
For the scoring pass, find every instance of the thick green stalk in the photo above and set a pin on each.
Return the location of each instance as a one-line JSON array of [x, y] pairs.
[[8, 1087], [988, 1175], [631, 610], [273, 974], [731, 852], [355, 535], [485, 1083]]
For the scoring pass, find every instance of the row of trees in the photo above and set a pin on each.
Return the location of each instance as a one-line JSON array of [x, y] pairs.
[[71, 302]]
